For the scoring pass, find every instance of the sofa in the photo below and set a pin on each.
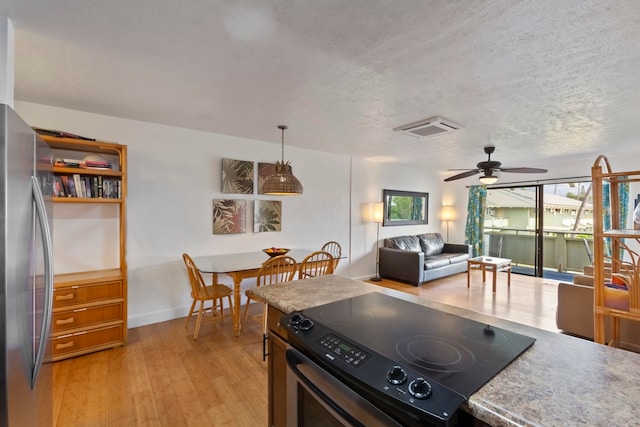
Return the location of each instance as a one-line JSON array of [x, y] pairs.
[[574, 313], [419, 258]]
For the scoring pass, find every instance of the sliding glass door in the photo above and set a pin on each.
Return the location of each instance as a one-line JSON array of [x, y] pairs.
[[545, 229], [511, 226]]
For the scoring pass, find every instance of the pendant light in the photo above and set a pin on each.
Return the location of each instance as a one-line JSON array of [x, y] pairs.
[[282, 182]]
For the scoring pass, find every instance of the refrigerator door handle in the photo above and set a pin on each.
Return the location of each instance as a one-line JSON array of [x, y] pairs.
[[48, 274]]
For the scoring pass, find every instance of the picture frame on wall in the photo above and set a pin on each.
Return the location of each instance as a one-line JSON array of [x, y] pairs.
[[267, 216], [237, 176], [229, 216], [405, 207], [265, 170]]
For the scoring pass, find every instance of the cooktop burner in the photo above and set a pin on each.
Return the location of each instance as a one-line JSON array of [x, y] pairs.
[[459, 353], [435, 354]]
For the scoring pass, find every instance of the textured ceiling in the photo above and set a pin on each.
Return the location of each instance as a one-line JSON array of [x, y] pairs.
[[539, 79]]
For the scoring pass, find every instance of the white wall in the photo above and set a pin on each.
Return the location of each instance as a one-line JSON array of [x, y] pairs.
[[369, 179], [173, 176]]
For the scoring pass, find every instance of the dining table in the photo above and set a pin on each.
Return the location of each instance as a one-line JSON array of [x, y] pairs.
[[239, 266]]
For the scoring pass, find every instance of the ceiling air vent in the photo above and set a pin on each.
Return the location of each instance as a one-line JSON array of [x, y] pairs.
[[429, 127]]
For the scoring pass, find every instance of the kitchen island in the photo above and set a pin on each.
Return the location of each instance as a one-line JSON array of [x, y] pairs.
[[559, 381]]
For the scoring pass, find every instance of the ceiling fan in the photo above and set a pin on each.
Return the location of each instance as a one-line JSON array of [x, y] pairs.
[[489, 168]]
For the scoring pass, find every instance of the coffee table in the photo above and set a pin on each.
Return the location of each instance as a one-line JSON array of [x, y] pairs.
[[485, 264]]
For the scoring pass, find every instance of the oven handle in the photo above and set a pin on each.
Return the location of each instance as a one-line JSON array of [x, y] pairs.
[[295, 359]]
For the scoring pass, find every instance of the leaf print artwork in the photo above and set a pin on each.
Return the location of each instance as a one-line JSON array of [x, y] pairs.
[[229, 216], [237, 176], [267, 216], [265, 170]]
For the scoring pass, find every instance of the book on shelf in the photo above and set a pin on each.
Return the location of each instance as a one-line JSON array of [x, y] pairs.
[[92, 164], [84, 164], [77, 185], [59, 134], [64, 179], [72, 187], [85, 186]]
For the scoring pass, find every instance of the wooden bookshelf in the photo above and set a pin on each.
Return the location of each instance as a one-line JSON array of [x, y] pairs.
[[89, 307], [621, 300]]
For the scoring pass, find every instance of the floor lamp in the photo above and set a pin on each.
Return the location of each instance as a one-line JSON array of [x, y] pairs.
[[447, 215], [378, 209]]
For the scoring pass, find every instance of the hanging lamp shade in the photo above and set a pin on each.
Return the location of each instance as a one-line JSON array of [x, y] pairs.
[[283, 182]]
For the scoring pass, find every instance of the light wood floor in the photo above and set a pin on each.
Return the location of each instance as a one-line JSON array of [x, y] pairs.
[[162, 377]]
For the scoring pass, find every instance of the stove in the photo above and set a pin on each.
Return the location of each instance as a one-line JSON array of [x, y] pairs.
[[419, 363]]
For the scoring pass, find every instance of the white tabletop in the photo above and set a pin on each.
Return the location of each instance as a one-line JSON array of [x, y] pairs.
[[490, 260], [225, 263]]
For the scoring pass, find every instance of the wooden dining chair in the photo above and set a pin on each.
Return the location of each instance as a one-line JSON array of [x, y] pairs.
[[335, 250], [201, 292], [316, 264], [278, 269]]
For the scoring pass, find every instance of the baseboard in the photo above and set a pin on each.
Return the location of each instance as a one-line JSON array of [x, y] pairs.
[[157, 316]]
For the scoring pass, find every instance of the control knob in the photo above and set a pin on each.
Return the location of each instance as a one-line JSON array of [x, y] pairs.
[[396, 375], [420, 389], [305, 324], [296, 319]]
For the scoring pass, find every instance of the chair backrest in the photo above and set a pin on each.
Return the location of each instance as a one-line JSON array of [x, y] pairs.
[[198, 286], [278, 269], [335, 250], [316, 264]]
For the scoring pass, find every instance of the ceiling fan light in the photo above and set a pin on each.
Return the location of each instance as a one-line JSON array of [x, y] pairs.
[[488, 179]]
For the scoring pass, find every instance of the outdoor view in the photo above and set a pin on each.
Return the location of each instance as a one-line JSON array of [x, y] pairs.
[[511, 226]]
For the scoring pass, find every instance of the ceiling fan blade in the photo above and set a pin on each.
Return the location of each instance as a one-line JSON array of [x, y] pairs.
[[463, 175], [523, 170]]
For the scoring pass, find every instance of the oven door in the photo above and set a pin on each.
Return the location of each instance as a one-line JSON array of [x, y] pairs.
[[316, 398]]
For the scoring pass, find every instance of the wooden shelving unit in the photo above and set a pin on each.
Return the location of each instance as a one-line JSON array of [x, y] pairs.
[[90, 307], [624, 259]]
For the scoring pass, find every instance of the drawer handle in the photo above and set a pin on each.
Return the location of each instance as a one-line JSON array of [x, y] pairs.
[[65, 345], [65, 321], [65, 297]]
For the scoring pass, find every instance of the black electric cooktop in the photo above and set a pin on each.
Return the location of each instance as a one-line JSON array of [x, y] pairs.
[[459, 353]]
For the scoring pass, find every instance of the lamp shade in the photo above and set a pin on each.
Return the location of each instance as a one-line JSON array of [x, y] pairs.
[[378, 210], [283, 182], [488, 179], [448, 213]]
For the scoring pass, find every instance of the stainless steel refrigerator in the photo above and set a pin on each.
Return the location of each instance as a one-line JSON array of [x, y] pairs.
[[27, 274]]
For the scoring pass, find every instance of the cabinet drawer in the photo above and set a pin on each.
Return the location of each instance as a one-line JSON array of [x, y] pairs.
[[82, 317], [83, 342], [74, 295], [273, 322]]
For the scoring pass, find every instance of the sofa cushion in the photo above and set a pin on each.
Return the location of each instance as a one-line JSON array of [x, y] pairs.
[[407, 243], [436, 261], [431, 243], [456, 258]]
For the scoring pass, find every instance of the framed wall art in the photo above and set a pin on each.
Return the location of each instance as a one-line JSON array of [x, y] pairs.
[[405, 207], [264, 171], [229, 216], [267, 216], [237, 176]]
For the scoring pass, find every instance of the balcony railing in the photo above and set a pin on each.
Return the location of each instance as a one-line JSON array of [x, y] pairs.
[[563, 250]]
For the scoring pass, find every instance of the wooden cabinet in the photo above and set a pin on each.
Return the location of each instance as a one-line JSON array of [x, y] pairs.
[[615, 246], [89, 304], [277, 369]]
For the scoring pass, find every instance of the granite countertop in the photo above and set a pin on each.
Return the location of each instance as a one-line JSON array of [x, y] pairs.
[[559, 381]]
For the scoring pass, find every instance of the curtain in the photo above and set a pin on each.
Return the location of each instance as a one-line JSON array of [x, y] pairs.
[[474, 228], [606, 210]]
